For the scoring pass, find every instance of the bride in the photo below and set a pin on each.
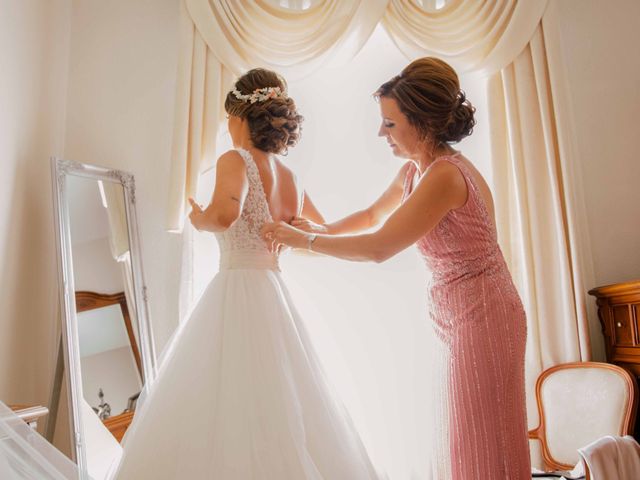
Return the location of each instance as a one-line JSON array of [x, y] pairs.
[[242, 395]]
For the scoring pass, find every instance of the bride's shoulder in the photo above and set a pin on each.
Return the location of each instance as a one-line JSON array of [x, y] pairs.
[[288, 176], [284, 170], [231, 162], [232, 158]]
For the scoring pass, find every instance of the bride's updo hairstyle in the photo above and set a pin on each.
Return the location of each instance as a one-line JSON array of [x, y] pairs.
[[428, 93], [274, 122]]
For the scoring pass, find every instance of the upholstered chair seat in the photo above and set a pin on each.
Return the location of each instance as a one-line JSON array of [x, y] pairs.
[[579, 403]]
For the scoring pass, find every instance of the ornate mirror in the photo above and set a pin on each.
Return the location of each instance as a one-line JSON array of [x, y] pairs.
[[106, 355]]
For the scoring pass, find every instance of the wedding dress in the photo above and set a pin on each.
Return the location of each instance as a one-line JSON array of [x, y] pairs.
[[25, 455], [241, 394]]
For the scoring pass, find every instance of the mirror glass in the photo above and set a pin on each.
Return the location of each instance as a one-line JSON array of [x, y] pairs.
[[109, 362], [107, 347]]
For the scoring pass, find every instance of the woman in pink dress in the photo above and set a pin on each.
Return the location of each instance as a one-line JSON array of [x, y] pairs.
[[440, 202]]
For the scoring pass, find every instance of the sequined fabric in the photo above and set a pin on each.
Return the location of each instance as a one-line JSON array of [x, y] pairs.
[[477, 315]]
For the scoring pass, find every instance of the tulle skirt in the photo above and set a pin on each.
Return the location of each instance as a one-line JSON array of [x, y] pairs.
[[25, 455], [241, 395]]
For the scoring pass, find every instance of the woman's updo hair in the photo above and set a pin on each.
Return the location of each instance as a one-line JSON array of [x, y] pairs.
[[428, 93], [274, 124]]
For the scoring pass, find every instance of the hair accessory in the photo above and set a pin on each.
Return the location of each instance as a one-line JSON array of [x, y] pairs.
[[260, 94]]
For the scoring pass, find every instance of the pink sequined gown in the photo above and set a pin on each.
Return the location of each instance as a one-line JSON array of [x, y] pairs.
[[480, 417]]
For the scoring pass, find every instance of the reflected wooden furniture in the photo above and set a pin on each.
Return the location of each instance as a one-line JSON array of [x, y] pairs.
[[579, 403], [92, 300], [118, 424], [30, 413]]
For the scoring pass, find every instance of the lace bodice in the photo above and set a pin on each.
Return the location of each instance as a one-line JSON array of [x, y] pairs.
[[244, 234]]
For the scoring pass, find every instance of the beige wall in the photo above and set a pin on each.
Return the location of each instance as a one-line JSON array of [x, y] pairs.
[[94, 268], [598, 42], [34, 45], [115, 371], [600, 46], [117, 61], [122, 68]]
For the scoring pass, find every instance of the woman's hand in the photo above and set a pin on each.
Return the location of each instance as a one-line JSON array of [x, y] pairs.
[[307, 225], [279, 233], [196, 215]]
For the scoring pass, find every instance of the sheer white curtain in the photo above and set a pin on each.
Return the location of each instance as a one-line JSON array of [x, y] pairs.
[[119, 244]]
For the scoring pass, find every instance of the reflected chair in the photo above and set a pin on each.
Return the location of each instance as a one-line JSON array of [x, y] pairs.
[[579, 403]]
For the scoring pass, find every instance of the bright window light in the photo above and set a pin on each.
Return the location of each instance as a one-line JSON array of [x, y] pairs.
[[103, 197]]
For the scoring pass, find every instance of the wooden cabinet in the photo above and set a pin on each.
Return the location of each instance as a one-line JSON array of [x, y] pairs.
[[619, 313], [119, 424]]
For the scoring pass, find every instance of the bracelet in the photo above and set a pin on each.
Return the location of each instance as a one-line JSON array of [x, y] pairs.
[[312, 239]]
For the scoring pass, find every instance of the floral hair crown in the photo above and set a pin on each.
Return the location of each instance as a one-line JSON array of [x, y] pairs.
[[260, 94]]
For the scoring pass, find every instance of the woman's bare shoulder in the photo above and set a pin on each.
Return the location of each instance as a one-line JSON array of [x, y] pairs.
[[231, 158], [286, 173]]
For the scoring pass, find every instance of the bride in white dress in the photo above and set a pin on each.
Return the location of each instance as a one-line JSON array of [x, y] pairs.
[[242, 395]]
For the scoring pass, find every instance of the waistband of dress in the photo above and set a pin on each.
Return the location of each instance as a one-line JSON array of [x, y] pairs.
[[248, 259], [470, 267]]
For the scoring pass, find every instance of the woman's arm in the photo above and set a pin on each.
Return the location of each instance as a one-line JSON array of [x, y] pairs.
[[309, 212], [228, 197], [357, 221], [440, 190]]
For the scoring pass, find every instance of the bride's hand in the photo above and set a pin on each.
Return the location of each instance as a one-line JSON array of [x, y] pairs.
[[307, 225], [281, 233], [195, 216]]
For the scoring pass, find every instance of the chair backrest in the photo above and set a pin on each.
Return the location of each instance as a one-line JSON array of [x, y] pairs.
[[579, 403]]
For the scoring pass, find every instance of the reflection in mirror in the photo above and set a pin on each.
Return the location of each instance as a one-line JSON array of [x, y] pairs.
[[109, 359], [107, 347]]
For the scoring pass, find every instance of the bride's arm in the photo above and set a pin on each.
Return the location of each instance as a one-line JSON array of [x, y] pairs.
[[440, 190], [312, 221], [228, 197]]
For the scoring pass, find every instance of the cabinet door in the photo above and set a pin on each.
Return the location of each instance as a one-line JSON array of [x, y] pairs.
[[623, 325]]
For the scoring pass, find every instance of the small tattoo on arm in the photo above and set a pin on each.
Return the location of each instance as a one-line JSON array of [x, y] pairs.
[[236, 199]]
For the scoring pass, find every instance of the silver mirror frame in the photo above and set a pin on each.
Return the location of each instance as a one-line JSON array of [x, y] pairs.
[[60, 170]]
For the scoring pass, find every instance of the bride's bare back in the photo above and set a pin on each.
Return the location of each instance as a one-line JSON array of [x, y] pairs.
[[283, 196], [280, 187]]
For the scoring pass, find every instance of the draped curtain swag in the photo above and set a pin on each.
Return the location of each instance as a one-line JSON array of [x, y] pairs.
[[119, 243], [537, 207], [221, 39]]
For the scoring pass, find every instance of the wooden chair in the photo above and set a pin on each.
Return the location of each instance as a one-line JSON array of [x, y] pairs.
[[579, 403]]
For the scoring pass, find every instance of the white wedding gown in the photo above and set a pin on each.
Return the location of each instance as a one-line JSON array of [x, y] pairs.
[[25, 455], [242, 395]]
